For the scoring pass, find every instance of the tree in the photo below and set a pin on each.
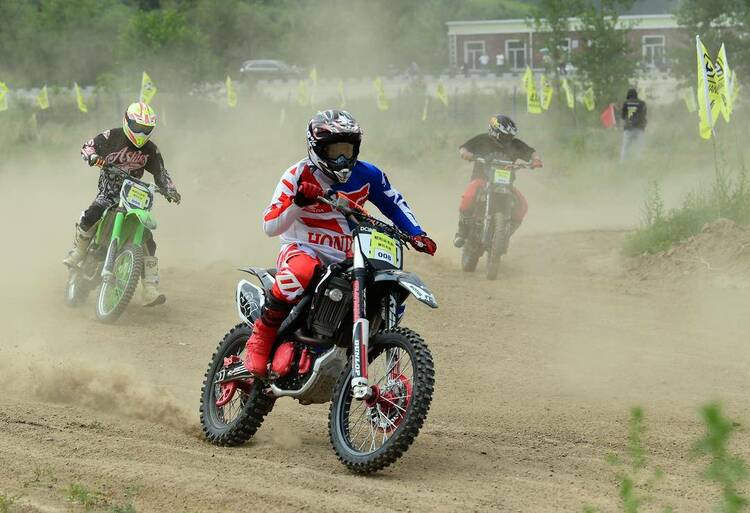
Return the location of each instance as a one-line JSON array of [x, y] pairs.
[[552, 19], [717, 22], [607, 65]]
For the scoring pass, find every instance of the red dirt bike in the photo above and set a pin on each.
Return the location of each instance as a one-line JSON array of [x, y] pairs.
[[342, 343], [491, 226]]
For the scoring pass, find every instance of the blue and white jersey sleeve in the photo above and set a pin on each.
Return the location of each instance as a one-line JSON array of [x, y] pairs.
[[391, 203]]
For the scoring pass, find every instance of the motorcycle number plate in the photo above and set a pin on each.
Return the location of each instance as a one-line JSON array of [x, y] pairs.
[[503, 176], [137, 197], [384, 248]]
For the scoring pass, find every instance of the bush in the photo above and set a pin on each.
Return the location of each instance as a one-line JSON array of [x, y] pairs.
[[726, 199]]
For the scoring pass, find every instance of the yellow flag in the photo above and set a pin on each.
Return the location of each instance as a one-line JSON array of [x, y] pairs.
[[688, 94], [547, 92], [43, 99], [588, 99], [3, 97], [441, 94], [424, 110], [569, 97], [383, 103], [303, 93], [314, 76], [231, 93], [342, 97], [722, 82], [148, 89], [533, 104], [706, 84], [79, 98]]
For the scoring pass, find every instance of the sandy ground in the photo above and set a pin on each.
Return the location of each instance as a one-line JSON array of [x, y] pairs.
[[535, 372], [535, 375]]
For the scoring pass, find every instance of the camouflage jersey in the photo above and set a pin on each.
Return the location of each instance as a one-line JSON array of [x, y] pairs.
[[116, 149]]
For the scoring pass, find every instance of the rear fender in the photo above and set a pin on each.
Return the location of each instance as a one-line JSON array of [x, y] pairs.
[[409, 282], [265, 277]]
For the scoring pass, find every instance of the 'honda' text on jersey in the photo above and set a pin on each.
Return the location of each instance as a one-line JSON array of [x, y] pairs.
[[320, 230]]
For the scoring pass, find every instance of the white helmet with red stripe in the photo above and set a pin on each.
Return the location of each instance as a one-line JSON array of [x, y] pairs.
[[333, 139], [138, 123]]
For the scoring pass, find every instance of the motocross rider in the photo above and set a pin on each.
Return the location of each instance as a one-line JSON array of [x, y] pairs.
[[129, 149], [313, 234], [500, 140]]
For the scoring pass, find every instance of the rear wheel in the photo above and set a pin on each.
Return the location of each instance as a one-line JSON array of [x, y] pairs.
[[231, 413], [371, 434], [116, 292]]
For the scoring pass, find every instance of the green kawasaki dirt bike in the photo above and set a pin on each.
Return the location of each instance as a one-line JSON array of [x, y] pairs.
[[114, 258]]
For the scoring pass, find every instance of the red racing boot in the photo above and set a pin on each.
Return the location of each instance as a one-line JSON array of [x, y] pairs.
[[260, 343]]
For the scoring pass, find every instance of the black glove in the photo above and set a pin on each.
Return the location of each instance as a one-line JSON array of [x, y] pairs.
[[173, 196], [96, 160]]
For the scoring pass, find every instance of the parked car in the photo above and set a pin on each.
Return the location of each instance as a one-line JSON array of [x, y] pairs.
[[268, 69]]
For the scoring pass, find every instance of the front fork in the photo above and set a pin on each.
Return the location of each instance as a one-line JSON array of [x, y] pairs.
[[361, 331], [114, 244]]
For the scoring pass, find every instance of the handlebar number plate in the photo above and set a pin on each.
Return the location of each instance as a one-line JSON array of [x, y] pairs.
[[137, 197], [380, 247], [503, 176]]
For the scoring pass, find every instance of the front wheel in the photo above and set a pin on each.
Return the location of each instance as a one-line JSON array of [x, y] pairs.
[[371, 434], [498, 246], [470, 257], [116, 292]]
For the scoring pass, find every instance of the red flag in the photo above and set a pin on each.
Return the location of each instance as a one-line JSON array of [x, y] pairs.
[[608, 116]]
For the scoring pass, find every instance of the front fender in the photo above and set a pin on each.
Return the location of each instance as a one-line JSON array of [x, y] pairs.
[[411, 283], [145, 218]]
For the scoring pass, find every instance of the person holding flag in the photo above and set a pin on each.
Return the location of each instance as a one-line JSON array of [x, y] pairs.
[[634, 115]]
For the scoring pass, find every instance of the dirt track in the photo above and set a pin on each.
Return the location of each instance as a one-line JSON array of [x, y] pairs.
[[535, 376]]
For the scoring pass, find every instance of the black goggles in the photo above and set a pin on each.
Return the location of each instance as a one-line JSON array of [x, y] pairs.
[[138, 128]]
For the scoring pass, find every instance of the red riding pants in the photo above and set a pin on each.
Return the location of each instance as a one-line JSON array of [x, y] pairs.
[[467, 199], [295, 271]]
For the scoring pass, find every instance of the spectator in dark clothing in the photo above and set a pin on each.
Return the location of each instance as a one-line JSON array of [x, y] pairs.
[[634, 115]]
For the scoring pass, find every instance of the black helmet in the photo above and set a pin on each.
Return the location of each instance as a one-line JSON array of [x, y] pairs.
[[333, 139], [632, 94], [502, 128]]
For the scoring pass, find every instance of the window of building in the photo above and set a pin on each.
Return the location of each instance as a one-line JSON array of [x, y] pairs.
[[472, 51], [653, 50], [515, 53]]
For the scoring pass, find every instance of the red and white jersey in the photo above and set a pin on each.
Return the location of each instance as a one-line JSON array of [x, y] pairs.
[[318, 229]]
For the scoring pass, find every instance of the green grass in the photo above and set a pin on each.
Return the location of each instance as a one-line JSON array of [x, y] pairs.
[[7, 501], [79, 494], [727, 198], [127, 508], [724, 469]]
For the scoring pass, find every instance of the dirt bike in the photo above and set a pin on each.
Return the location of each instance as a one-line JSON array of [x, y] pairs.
[[114, 258], [341, 343], [490, 229]]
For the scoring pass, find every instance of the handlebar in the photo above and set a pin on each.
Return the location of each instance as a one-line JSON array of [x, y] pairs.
[[111, 168], [332, 199], [507, 164]]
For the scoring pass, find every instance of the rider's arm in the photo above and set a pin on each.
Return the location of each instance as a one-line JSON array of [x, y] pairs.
[[282, 212], [391, 203], [155, 166], [95, 146], [465, 154]]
